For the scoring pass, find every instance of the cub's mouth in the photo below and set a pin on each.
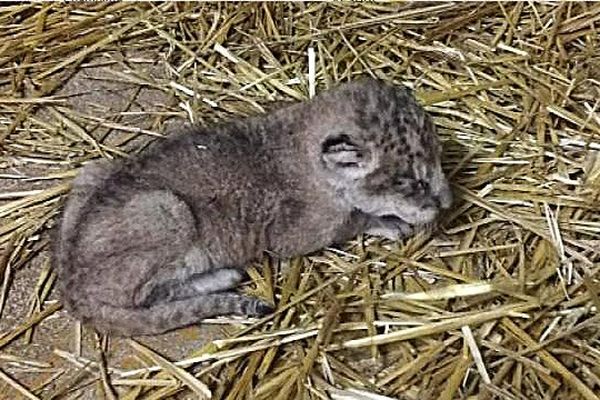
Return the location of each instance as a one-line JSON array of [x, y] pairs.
[[393, 219]]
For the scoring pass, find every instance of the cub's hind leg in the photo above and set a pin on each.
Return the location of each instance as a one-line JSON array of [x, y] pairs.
[[120, 243], [187, 286], [193, 273], [166, 316]]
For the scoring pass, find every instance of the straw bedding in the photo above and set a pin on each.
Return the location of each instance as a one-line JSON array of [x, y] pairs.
[[500, 302]]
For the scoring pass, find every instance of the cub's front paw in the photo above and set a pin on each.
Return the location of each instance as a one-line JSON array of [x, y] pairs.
[[390, 227]]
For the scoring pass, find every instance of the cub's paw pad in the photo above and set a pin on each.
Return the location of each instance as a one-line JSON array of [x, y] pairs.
[[260, 308]]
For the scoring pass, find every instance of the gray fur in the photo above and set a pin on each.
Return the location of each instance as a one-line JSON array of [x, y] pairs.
[[157, 242]]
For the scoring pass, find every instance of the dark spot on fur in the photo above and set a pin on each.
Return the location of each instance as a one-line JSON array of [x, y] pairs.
[[374, 120], [386, 126]]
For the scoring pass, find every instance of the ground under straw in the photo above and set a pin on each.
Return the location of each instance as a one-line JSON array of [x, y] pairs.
[[501, 301]]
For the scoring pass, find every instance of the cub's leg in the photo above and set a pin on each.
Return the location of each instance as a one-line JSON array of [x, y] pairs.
[[182, 286], [169, 315]]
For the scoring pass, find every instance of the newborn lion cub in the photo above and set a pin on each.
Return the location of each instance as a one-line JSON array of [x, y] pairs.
[[160, 241]]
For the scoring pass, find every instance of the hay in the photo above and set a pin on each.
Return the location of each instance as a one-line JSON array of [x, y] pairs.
[[501, 302]]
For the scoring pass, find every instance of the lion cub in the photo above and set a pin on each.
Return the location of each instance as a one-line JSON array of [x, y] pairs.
[[157, 242]]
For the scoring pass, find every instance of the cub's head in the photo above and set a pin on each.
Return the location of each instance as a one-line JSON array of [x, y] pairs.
[[380, 151]]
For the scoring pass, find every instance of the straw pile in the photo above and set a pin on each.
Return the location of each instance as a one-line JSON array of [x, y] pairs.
[[502, 301]]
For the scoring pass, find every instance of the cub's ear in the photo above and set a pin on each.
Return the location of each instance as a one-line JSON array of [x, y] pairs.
[[345, 156]]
